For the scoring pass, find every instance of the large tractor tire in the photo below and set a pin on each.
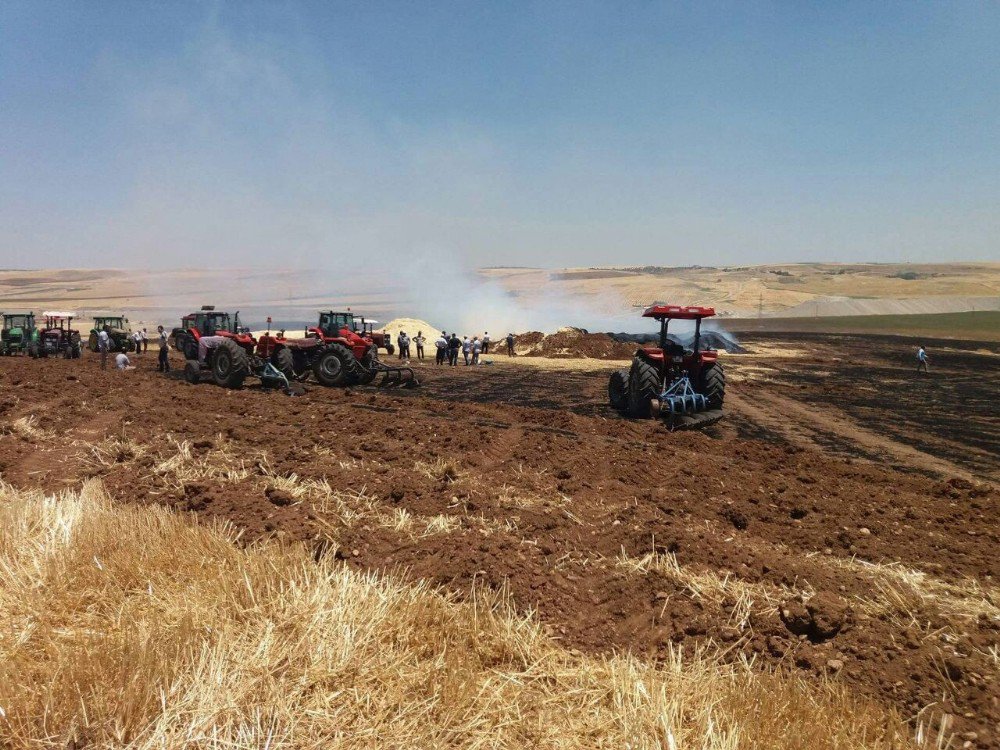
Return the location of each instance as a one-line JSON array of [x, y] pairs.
[[643, 387], [185, 344], [368, 372], [334, 366], [618, 390], [230, 364], [192, 372], [390, 349], [92, 341], [282, 359], [713, 385], [76, 350]]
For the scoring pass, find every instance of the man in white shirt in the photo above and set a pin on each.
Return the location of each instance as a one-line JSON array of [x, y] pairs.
[[104, 346], [122, 362], [163, 363], [442, 348]]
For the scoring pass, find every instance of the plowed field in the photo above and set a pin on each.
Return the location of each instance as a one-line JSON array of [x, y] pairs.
[[841, 522]]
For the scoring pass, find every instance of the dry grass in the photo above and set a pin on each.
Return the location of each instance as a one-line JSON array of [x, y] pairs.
[[746, 598], [130, 627], [440, 470], [26, 428]]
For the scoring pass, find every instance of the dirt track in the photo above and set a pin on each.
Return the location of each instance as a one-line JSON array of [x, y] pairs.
[[620, 534]]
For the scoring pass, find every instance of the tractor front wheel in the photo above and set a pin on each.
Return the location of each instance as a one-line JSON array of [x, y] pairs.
[[192, 372], [643, 387], [283, 360], [334, 365], [368, 369], [230, 364], [713, 385], [92, 341], [618, 390]]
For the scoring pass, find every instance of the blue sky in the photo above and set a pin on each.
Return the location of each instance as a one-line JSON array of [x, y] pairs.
[[498, 133]]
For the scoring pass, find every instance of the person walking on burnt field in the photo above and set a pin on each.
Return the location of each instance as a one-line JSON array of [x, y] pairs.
[[486, 342], [404, 345], [419, 341], [477, 347], [466, 349], [442, 348], [163, 363], [510, 344], [104, 345], [145, 341], [922, 360], [454, 345]]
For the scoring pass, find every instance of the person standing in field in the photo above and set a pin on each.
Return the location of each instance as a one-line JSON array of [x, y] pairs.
[[419, 341], [510, 344], [477, 347], [145, 341], [486, 342], [442, 348], [163, 363], [922, 360], [466, 349], [453, 346], [137, 340], [104, 346], [404, 345]]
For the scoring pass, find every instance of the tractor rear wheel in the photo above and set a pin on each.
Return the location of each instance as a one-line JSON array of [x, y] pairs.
[[334, 366], [713, 385], [230, 364], [618, 390], [283, 360], [643, 387]]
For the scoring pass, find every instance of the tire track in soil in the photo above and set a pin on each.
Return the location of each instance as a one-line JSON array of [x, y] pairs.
[[813, 426]]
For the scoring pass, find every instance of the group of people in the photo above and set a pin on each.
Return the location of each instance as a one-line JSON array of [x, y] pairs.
[[141, 341], [449, 346]]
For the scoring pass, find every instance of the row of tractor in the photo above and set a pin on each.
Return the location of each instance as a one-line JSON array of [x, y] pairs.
[[685, 386], [340, 350], [56, 338]]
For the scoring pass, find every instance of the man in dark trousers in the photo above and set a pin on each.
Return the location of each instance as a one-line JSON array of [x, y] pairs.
[[453, 346], [441, 344], [419, 341], [510, 344], [163, 363], [486, 342]]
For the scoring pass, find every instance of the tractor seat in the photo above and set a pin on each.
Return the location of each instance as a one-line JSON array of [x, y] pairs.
[[673, 350]]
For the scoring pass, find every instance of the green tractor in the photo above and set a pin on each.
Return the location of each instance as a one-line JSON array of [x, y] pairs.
[[118, 330], [18, 333]]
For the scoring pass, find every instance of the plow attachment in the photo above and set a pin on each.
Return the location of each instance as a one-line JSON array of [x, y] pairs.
[[683, 408], [391, 377]]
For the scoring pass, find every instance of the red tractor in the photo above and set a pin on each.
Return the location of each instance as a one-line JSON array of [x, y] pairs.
[[337, 353], [685, 386], [381, 339], [215, 342], [57, 338]]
